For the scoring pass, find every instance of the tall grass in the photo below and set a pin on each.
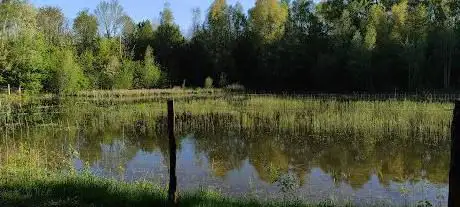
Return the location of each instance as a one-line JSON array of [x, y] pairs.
[[146, 93], [375, 120]]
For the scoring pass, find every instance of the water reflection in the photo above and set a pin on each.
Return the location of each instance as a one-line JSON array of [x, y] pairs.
[[238, 162]]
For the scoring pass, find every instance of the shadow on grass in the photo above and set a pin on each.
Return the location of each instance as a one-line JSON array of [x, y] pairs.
[[79, 192]]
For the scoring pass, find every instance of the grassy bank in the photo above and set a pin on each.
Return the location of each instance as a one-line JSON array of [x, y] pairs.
[[86, 190], [26, 179]]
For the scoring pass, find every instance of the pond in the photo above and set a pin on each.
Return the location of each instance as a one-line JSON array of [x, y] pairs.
[[128, 141]]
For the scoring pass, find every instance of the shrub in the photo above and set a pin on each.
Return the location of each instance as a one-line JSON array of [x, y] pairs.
[[86, 61], [208, 82], [110, 72], [124, 79], [68, 77], [148, 75], [235, 87], [223, 80]]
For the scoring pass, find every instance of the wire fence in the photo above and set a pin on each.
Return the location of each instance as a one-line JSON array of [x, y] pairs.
[[10, 89]]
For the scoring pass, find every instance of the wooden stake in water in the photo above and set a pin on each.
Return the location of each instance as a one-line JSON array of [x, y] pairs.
[[454, 173], [172, 194]]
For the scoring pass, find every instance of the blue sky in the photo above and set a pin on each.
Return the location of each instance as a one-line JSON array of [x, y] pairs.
[[142, 9]]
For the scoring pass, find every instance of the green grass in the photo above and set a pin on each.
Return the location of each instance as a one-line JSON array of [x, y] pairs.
[[178, 92], [374, 120], [86, 190]]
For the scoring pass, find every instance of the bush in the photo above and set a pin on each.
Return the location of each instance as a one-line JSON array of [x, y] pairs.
[[235, 87], [148, 75], [223, 80], [124, 79], [68, 76], [86, 61], [208, 82], [110, 72]]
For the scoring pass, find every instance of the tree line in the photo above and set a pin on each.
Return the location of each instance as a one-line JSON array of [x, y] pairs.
[[287, 45]]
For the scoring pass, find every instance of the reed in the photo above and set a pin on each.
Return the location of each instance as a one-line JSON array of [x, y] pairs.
[[146, 93], [376, 120]]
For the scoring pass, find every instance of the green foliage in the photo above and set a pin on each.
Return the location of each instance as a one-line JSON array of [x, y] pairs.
[[69, 77], [50, 21], [25, 64], [107, 63], [375, 16], [301, 45], [268, 18], [110, 72], [21, 46], [218, 18], [399, 16], [208, 82], [106, 49], [144, 35], [168, 44], [128, 36], [87, 63], [166, 15], [125, 78], [85, 28], [149, 74]]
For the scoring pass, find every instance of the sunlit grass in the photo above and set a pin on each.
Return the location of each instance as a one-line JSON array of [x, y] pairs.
[[146, 93], [376, 120]]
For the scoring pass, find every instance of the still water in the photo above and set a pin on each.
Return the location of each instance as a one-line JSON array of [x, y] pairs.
[[273, 166], [259, 163]]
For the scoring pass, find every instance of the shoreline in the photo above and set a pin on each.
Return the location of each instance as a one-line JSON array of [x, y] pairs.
[[83, 189]]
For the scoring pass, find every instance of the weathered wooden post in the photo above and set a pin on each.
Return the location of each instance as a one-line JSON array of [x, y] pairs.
[[172, 194], [9, 89], [454, 173]]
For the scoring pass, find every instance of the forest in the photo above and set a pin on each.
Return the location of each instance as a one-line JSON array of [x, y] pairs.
[[289, 45]]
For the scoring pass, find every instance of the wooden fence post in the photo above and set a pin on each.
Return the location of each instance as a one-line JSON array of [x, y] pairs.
[[9, 89], [454, 173], [172, 194]]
